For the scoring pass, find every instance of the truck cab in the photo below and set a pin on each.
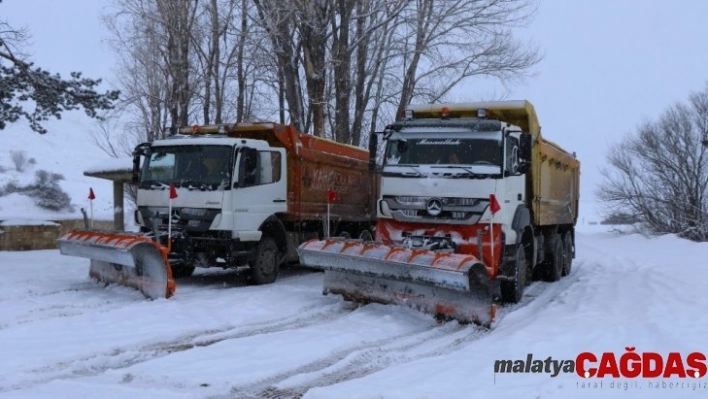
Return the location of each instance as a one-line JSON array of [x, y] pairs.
[[245, 195], [440, 174], [226, 189]]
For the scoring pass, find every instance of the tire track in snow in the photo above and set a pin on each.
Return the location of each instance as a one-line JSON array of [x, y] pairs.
[[50, 304], [304, 318], [33, 293], [540, 294], [125, 357], [360, 360], [356, 362], [42, 306]]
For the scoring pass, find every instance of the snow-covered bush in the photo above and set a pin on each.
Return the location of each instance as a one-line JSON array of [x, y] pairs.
[[52, 198], [43, 178], [9, 188], [19, 158], [45, 191]]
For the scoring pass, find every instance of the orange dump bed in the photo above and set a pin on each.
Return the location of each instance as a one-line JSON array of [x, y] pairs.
[[316, 166]]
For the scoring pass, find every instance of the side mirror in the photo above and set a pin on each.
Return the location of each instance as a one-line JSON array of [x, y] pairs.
[[525, 145], [142, 149], [135, 177]]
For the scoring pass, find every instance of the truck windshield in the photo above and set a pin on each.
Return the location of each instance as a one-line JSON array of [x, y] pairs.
[[204, 167], [451, 151]]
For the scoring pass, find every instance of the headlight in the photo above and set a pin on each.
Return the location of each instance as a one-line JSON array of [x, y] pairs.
[[384, 209], [466, 201], [217, 221], [408, 200], [138, 216]]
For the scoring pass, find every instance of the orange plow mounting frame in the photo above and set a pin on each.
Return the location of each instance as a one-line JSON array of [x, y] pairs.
[[128, 259], [448, 285]]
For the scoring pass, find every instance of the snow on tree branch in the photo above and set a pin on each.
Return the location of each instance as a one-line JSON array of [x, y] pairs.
[[30, 92]]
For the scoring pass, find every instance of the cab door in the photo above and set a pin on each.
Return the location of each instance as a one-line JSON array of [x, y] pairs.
[[260, 187]]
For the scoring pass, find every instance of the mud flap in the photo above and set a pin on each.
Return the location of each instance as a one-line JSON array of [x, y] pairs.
[[127, 259], [447, 285]]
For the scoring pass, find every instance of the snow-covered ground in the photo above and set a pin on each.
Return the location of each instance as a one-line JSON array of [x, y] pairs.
[[63, 336]]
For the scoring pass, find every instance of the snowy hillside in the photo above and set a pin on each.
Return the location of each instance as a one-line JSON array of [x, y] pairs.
[[62, 336], [67, 149]]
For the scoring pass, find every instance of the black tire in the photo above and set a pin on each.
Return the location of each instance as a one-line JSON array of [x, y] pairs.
[[266, 261], [179, 271], [513, 290], [554, 259], [568, 252]]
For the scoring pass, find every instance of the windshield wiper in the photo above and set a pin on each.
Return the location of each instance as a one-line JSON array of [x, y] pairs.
[[153, 184], [416, 172], [195, 185], [466, 169]]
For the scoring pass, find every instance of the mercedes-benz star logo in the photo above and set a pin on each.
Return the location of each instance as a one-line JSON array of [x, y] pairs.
[[176, 216], [434, 206]]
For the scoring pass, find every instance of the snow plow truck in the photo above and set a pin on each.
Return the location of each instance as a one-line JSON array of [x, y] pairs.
[[474, 203], [240, 196]]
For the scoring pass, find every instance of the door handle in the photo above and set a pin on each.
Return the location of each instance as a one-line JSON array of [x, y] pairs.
[[278, 200]]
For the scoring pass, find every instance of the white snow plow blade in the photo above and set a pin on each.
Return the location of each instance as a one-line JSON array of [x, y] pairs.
[[448, 285], [123, 258]]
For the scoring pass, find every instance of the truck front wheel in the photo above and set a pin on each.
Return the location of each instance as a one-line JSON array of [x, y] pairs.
[[513, 290], [264, 266]]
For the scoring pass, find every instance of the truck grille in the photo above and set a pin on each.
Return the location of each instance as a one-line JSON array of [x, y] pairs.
[[187, 219], [450, 210]]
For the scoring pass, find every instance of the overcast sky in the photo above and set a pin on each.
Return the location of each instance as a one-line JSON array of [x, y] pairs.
[[609, 64]]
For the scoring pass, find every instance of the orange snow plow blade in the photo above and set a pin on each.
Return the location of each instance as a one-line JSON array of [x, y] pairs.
[[447, 285], [127, 259]]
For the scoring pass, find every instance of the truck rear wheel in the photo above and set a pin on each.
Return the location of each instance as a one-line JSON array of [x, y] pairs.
[[513, 290], [554, 259], [567, 253], [264, 266]]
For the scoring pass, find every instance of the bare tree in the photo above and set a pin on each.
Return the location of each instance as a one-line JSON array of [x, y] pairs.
[[177, 21], [361, 61], [221, 43], [106, 136], [661, 172], [335, 67], [152, 39], [241, 68], [278, 18], [395, 51], [450, 41]]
